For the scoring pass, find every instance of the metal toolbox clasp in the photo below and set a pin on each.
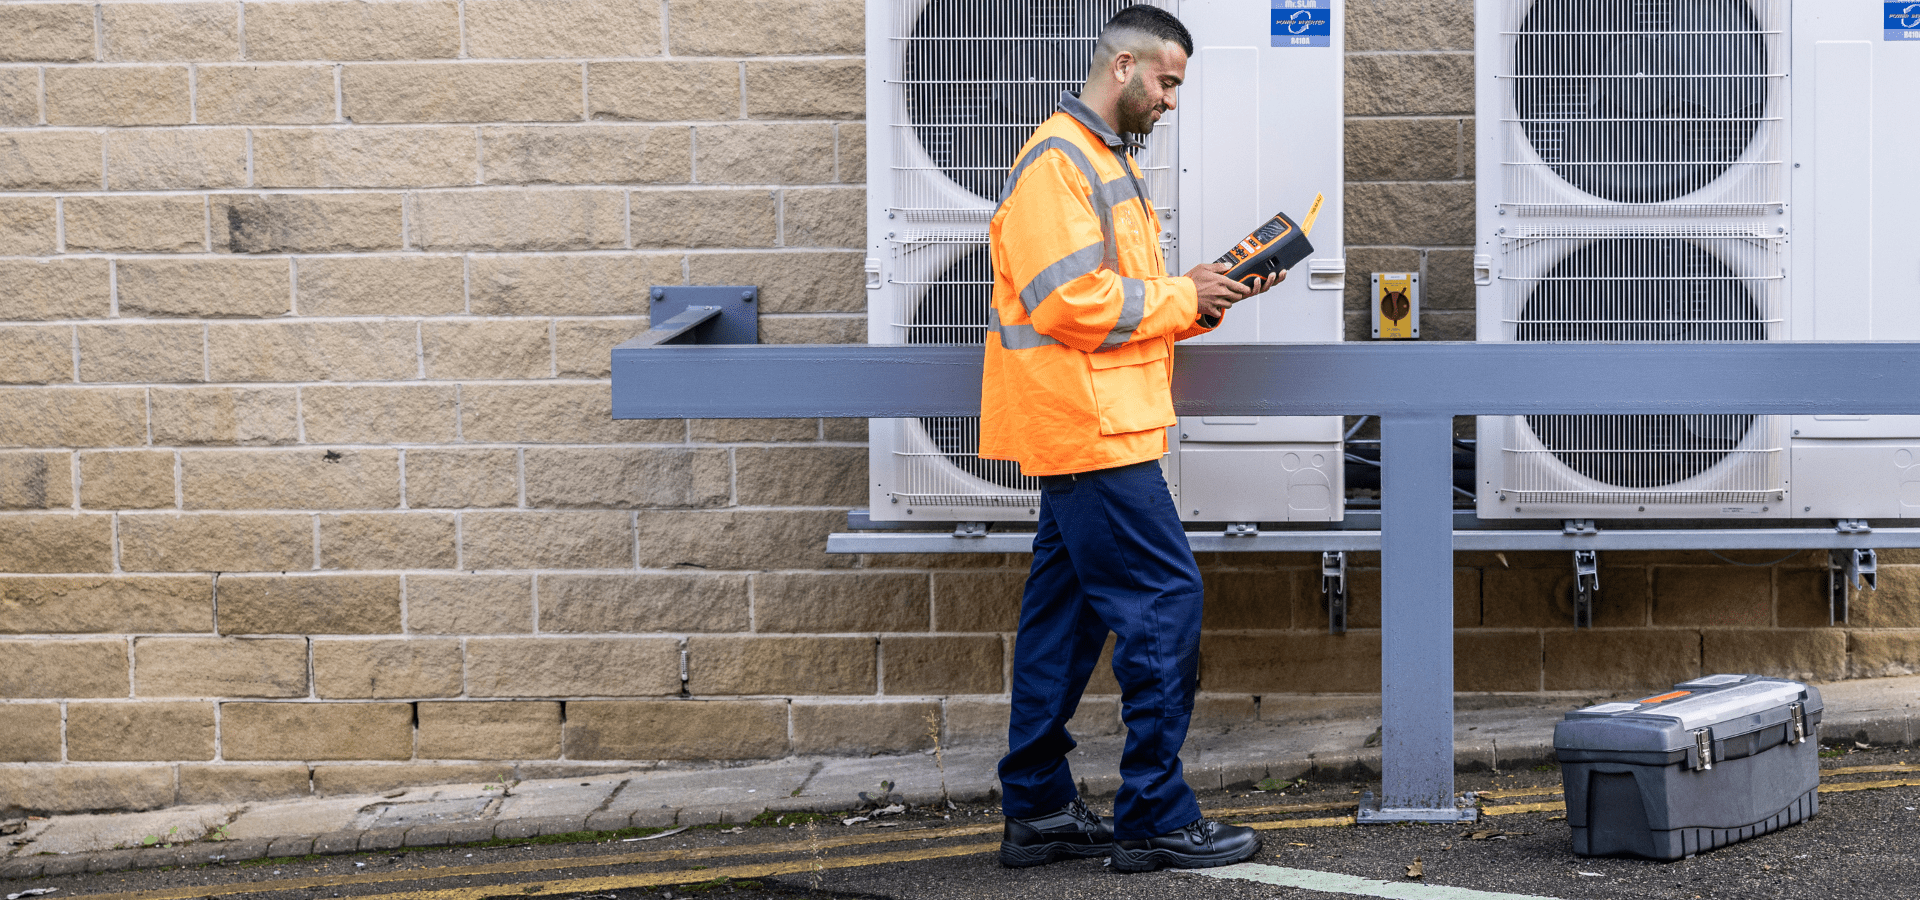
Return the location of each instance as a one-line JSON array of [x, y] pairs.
[[1703, 747]]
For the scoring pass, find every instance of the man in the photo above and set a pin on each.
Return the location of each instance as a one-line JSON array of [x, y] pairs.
[[1078, 362]]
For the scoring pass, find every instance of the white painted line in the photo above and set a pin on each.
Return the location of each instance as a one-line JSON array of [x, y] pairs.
[[1334, 883]]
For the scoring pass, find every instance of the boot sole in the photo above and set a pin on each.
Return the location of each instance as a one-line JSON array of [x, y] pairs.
[[1015, 857], [1151, 860]]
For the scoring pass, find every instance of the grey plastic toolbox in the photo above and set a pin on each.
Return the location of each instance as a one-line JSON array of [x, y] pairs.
[[1716, 760]]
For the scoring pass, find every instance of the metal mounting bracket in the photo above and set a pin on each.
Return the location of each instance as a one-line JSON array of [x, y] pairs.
[[969, 529], [1852, 526], [1586, 583], [1333, 589], [1243, 529], [1464, 810], [1849, 570], [682, 314], [1578, 526]]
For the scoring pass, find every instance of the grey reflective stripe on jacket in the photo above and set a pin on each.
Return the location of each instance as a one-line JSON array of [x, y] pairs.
[[1016, 337]]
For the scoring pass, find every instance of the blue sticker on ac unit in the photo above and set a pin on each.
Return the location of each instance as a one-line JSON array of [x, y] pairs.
[[1903, 21], [1302, 23]]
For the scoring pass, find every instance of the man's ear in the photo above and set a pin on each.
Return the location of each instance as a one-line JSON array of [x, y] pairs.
[[1122, 68]]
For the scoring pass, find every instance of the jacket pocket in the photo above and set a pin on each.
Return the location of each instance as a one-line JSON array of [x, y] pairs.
[[1131, 387]]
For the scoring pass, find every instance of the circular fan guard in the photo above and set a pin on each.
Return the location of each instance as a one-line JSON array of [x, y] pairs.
[[954, 311]]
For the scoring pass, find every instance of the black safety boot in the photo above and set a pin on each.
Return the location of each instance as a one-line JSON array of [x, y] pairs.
[[1072, 833], [1201, 845]]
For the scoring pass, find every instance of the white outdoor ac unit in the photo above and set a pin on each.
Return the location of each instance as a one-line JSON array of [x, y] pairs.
[[955, 87], [1692, 170]]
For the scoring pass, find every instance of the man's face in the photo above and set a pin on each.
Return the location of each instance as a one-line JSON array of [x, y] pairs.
[[1150, 89]]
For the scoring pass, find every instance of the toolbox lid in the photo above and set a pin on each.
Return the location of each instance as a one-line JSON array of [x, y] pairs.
[[1727, 704]]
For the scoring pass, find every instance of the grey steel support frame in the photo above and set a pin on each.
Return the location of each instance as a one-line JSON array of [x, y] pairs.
[[1416, 389]]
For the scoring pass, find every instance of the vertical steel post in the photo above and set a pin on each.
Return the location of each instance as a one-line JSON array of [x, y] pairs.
[[1416, 622]]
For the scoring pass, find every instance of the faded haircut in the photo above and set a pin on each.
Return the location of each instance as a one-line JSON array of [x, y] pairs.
[[1133, 28]]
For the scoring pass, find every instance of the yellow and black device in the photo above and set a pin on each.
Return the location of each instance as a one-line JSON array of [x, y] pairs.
[[1272, 248]]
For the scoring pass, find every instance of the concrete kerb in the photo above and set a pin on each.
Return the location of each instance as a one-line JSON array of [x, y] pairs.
[[1325, 739]]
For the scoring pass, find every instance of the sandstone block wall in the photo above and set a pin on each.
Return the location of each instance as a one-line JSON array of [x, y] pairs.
[[308, 482]]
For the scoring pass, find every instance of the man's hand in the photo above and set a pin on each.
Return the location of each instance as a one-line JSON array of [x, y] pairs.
[[1217, 292]]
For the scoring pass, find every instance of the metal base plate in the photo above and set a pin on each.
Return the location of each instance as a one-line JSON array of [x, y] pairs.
[[1372, 813], [739, 319]]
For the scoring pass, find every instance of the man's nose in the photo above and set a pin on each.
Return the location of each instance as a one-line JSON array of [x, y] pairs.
[[1169, 98]]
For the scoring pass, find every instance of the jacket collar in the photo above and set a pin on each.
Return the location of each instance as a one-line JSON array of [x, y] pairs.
[[1084, 114]]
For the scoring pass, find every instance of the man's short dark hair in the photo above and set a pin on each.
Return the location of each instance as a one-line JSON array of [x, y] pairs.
[[1155, 21]]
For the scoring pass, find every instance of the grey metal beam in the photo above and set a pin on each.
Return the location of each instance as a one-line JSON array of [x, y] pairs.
[[880, 381], [1366, 540]]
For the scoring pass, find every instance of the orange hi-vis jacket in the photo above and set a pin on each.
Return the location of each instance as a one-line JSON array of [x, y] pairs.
[[1080, 333]]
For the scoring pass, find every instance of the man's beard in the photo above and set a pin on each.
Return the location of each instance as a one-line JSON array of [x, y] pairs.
[[1136, 111]]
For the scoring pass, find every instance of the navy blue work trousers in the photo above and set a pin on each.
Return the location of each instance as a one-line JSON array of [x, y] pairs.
[[1110, 555]]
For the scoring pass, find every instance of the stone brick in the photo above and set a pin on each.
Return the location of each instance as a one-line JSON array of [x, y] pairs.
[[365, 157], [1423, 25], [55, 288], [977, 601], [314, 351], [379, 414], [1620, 660], [677, 90], [1406, 149], [844, 430], [739, 539], [705, 219], [462, 92], [386, 670], [865, 727], [56, 542], [150, 32], [553, 414], [1895, 603], [265, 95], [1543, 598], [580, 219], [807, 89], [834, 217], [136, 224], [588, 154], [1290, 662], [676, 729], [1880, 654], [487, 349], [203, 542], [1722, 595], [46, 32], [310, 604], [828, 603], [1496, 661], [353, 30], [944, 664], [105, 605], [19, 96], [138, 732], [801, 476], [764, 154], [96, 417], [290, 479], [220, 667], [469, 604], [753, 431], [316, 731], [126, 479], [306, 223], [387, 541], [63, 669], [175, 160], [720, 665], [117, 95], [27, 226], [1449, 283], [458, 479], [1235, 600], [1410, 213], [765, 27], [583, 348], [52, 790], [382, 286], [547, 540], [790, 283], [540, 29], [572, 667], [976, 722], [36, 480], [1807, 655], [226, 784], [852, 164], [205, 287], [142, 353], [624, 478], [646, 602], [1409, 84], [524, 730], [50, 160], [224, 415], [30, 732], [594, 285], [813, 330]]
